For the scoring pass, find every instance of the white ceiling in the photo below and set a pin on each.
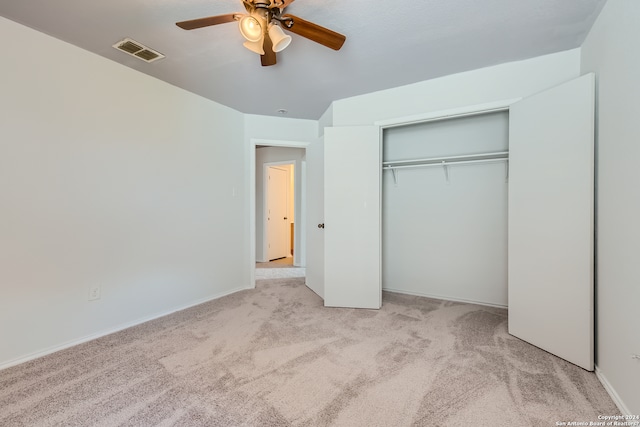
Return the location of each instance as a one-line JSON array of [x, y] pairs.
[[388, 44]]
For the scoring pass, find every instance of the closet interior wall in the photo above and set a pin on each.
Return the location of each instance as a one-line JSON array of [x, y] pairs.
[[444, 229]]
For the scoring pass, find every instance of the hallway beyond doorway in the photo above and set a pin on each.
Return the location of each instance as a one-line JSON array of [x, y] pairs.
[[278, 269]]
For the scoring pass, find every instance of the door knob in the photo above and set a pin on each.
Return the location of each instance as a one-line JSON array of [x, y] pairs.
[[321, 225]]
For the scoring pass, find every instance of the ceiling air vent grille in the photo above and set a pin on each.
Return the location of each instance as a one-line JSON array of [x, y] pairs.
[[138, 50]]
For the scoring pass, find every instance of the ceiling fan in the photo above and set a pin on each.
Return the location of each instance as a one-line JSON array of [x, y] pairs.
[[262, 26]]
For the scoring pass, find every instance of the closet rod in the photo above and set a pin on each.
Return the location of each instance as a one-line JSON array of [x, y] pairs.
[[500, 155], [445, 163]]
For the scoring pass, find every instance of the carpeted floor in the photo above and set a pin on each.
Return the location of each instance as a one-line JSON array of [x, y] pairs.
[[274, 356], [278, 269], [277, 263]]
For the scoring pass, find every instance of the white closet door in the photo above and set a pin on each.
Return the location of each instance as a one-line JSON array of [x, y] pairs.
[[551, 221], [352, 185]]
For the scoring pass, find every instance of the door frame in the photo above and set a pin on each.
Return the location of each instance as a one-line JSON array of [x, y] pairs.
[[265, 192], [299, 226], [436, 116], [454, 113]]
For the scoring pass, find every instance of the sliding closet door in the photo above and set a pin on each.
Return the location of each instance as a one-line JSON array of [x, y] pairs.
[[551, 220], [352, 217]]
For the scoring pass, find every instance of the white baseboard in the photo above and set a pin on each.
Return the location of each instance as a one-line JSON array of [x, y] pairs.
[[118, 328], [445, 298], [612, 392]]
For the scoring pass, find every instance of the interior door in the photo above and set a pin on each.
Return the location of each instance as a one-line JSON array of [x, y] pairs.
[[315, 215], [551, 222], [277, 221], [352, 183]]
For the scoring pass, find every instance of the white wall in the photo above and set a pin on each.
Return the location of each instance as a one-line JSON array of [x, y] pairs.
[[500, 82], [108, 177], [326, 120], [611, 50], [272, 155], [279, 128], [447, 238]]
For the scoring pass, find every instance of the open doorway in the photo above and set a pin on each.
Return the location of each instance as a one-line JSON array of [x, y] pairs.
[[279, 212]]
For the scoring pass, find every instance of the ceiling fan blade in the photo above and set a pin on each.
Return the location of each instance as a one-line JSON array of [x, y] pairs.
[[205, 22], [314, 32], [286, 3], [269, 57]]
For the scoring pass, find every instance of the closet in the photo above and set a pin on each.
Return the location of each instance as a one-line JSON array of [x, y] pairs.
[[444, 208], [549, 215]]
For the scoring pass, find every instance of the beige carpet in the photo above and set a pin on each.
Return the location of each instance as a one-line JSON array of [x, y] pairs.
[[274, 356], [277, 263]]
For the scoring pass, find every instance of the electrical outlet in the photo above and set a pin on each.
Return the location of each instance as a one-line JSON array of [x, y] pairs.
[[94, 292]]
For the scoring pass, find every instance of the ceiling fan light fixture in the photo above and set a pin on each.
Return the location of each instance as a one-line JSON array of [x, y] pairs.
[[255, 47], [250, 28], [262, 25], [279, 39]]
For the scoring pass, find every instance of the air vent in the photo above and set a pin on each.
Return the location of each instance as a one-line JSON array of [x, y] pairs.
[[138, 50]]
